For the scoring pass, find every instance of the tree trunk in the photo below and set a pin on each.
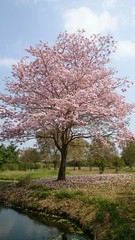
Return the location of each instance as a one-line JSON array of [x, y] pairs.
[[79, 165], [74, 163], [62, 169]]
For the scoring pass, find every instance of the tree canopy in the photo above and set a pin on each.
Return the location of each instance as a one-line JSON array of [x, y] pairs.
[[128, 154], [8, 154], [66, 91], [101, 155]]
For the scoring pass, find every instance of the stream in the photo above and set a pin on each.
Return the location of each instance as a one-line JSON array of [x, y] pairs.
[[16, 225]]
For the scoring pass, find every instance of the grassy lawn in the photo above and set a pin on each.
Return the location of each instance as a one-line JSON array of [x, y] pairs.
[[45, 173], [17, 175]]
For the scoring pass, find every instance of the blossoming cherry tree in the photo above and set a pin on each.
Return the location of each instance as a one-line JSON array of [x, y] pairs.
[[66, 91]]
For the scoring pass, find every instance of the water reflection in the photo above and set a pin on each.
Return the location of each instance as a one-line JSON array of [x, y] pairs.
[[64, 236], [17, 226]]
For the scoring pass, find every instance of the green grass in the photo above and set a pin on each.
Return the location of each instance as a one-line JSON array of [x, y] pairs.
[[44, 194], [4, 184], [43, 191], [64, 193], [113, 213], [45, 173], [33, 174]]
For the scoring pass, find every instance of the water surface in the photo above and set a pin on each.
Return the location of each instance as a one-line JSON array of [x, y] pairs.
[[17, 226]]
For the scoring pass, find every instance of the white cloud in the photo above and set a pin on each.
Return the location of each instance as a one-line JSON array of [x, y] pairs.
[[7, 62], [125, 49], [92, 22], [107, 4]]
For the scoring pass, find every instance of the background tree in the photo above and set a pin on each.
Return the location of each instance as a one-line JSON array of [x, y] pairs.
[[101, 155], [8, 155], [90, 162], [56, 161], [97, 148], [28, 159], [3, 155], [66, 91], [77, 152], [128, 154], [118, 163], [100, 162], [48, 150]]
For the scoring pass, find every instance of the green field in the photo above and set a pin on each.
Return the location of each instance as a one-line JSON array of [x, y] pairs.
[[45, 173]]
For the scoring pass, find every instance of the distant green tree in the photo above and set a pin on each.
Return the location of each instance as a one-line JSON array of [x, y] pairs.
[[128, 154], [101, 155], [56, 161], [8, 154], [28, 159], [101, 163], [77, 151], [48, 150], [90, 162], [3, 158], [118, 163], [12, 153]]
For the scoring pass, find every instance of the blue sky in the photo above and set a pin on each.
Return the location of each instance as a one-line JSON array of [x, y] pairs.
[[25, 22]]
